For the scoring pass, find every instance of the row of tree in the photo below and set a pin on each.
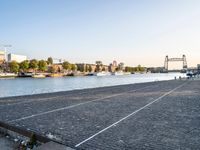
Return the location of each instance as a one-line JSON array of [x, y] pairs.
[[139, 68], [24, 66], [38, 65], [42, 66]]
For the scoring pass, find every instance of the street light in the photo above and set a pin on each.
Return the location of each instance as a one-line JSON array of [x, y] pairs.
[[5, 50]]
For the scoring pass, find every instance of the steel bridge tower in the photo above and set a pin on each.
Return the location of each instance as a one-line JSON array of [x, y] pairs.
[[167, 60]]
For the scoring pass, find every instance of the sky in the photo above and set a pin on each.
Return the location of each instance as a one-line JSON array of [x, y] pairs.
[[130, 31]]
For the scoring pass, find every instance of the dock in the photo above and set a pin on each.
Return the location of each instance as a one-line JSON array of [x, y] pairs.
[[154, 115]]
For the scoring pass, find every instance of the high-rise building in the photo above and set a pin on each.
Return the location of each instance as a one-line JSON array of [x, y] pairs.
[[2, 56], [17, 58]]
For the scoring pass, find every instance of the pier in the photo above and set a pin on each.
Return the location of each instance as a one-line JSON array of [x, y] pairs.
[[154, 115]]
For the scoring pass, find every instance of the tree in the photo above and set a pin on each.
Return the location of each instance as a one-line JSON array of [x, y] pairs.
[[81, 67], [33, 64], [66, 65], [98, 66], [24, 65], [1, 68], [14, 67], [86, 68], [90, 68], [73, 67], [42, 65], [50, 60]]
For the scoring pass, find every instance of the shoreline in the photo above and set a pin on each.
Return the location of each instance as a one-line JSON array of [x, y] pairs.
[[32, 86], [79, 90]]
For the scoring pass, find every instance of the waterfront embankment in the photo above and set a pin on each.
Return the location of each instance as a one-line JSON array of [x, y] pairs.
[[154, 115]]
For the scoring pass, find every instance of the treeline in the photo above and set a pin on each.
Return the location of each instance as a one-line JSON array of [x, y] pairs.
[[38, 65], [66, 67], [139, 68], [24, 66]]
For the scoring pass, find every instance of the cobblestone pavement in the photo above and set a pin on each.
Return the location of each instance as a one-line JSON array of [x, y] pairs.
[[156, 115], [6, 144]]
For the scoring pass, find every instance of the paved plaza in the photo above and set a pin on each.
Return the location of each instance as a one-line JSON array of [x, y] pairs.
[[154, 115]]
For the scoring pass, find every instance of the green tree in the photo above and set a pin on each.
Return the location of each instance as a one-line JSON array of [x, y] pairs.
[[1, 68], [50, 60], [24, 65], [33, 64], [90, 68], [42, 65], [98, 66], [14, 67], [66, 65], [81, 67], [86, 68], [73, 67]]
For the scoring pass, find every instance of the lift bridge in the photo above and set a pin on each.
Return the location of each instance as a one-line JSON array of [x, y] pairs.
[[167, 60]]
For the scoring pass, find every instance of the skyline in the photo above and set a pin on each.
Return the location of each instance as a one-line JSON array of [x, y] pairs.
[[130, 31]]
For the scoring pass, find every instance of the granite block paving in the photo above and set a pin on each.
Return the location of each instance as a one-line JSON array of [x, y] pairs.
[[154, 115]]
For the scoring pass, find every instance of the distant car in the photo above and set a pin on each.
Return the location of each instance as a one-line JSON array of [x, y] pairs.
[[191, 74]]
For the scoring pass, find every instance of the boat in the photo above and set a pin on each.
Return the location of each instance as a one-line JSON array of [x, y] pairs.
[[127, 73], [118, 73], [38, 76], [25, 74], [8, 75], [103, 73], [90, 74]]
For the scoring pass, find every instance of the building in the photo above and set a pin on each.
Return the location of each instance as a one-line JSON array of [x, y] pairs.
[[86, 67], [17, 58], [2, 57], [113, 66], [198, 67]]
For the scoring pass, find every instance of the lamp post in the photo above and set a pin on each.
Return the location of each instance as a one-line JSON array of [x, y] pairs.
[[5, 55], [5, 50]]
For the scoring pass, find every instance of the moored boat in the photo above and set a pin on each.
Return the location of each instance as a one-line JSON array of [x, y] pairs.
[[118, 73], [8, 75], [90, 74], [25, 74], [103, 73]]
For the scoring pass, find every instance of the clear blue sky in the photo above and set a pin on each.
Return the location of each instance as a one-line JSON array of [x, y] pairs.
[[132, 31]]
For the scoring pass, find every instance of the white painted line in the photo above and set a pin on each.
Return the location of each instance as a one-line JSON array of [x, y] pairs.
[[133, 113], [72, 106]]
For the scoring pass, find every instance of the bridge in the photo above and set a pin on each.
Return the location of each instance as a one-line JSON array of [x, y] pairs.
[[167, 60]]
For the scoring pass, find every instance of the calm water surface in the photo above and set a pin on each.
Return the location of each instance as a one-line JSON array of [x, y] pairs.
[[27, 86]]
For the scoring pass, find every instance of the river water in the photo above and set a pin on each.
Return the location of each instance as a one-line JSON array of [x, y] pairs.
[[27, 86]]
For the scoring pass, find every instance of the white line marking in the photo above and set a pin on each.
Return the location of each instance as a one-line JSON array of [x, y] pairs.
[[133, 113], [72, 106]]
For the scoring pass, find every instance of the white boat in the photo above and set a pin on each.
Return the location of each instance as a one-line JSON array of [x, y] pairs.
[[118, 73], [127, 73], [7, 75], [103, 73]]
